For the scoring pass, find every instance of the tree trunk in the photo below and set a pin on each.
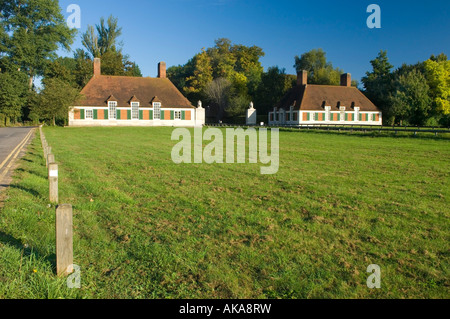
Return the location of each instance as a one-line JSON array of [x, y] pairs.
[[30, 83], [54, 121]]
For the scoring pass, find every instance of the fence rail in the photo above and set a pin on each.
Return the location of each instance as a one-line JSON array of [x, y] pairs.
[[358, 128]]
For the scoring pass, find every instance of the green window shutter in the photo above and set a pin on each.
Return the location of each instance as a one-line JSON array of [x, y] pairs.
[[151, 115], [360, 117], [339, 116], [141, 114], [82, 115], [346, 117], [309, 116], [162, 114], [183, 115], [128, 114], [374, 117], [95, 114], [353, 117], [172, 115], [317, 116], [106, 114], [118, 114]]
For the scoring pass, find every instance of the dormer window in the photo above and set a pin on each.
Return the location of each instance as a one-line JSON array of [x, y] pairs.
[[135, 110]]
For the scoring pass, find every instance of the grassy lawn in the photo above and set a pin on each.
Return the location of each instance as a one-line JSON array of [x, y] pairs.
[[145, 227]]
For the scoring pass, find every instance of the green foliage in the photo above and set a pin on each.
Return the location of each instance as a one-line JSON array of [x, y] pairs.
[[102, 41], [55, 100], [378, 85], [35, 29], [236, 63], [320, 71], [13, 95], [275, 83], [84, 68], [196, 84], [437, 72], [412, 93], [411, 101]]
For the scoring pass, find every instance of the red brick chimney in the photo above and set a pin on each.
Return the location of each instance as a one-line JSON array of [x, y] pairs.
[[346, 79], [162, 70], [302, 78], [97, 67]]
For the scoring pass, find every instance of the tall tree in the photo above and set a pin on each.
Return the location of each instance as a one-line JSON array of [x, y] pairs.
[[411, 102], [437, 72], [13, 95], [378, 85], [32, 32], [102, 41], [56, 99], [103, 37], [84, 68], [275, 83], [195, 84], [320, 71], [218, 92]]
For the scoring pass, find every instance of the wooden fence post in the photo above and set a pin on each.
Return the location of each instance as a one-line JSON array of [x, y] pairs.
[[48, 150], [64, 240], [53, 182], [50, 159]]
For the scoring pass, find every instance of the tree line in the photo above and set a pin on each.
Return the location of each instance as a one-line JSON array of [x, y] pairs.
[[229, 76], [416, 94], [226, 76]]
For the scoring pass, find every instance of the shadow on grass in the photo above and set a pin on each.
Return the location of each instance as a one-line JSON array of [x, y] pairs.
[[25, 189], [32, 172], [9, 240]]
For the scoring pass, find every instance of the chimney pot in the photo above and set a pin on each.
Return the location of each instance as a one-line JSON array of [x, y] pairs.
[[97, 67], [346, 80], [162, 70], [302, 77]]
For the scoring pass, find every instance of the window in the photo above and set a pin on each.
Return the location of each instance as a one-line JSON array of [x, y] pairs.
[[89, 114], [156, 111], [328, 113], [177, 115], [135, 110], [357, 114], [112, 110]]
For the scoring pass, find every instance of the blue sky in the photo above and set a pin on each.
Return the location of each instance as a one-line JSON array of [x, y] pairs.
[[175, 30]]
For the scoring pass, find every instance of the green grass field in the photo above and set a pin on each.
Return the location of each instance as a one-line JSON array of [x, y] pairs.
[[145, 227]]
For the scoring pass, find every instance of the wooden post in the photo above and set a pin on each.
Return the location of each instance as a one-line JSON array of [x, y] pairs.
[[48, 150], [50, 159], [53, 182], [64, 240]]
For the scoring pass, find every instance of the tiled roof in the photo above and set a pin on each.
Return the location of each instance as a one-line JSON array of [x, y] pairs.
[[124, 90], [316, 97]]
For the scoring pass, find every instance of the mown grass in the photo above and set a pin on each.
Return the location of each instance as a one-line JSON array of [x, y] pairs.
[[145, 227]]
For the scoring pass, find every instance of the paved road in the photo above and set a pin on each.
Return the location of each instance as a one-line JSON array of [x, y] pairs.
[[12, 142]]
